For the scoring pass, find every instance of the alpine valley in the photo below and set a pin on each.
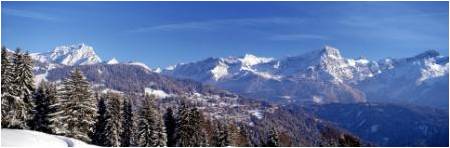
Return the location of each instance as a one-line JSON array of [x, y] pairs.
[[318, 98]]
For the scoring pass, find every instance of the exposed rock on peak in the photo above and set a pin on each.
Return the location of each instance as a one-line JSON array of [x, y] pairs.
[[427, 54]]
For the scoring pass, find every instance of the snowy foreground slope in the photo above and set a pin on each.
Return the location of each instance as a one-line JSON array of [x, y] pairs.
[[26, 138]]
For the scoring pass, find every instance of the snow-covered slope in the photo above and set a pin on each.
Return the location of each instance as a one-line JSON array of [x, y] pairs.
[[324, 71], [422, 79], [78, 54], [324, 64], [220, 69], [140, 65], [28, 138]]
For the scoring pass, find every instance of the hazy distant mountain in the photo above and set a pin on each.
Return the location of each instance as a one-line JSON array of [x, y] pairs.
[[387, 124], [422, 79]]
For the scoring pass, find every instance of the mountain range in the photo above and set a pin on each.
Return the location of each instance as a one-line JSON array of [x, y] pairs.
[[324, 76], [260, 91], [319, 76]]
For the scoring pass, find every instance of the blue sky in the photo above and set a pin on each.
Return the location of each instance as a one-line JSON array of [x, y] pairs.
[[165, 33]]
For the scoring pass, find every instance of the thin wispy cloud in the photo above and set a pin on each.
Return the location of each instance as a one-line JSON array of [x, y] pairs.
[[295, 37], [375, 22], [29, 14], [215, 24]]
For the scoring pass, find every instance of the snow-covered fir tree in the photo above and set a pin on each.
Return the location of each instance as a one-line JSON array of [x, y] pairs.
[[17, 99], [189, 130], [199, 135], [127, 124], [79, 106], [170, 123], [160, 134], [24, 80], [151, 132], [44, 99], [134, 141], [8, 99], [98, 137], [184, 130], [6, 73], [273, 139], [57, 118], [113, 119]]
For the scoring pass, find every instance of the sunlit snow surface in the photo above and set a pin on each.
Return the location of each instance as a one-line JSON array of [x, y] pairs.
[[140, 64], [40, 77], [27, 138], [157, 93], [220, 71], [256, 113], [112, 61]]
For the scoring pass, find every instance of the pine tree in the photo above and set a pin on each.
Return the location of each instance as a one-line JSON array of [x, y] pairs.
[[6, 73], [160, 134], [57, 118], [113, 125], [273, 140], [24, 81], [135, 134], [79, 106], [183, 129], [189, 130], [99, 135], [127, 124], [7, 94], [151, 132], [17, 99], [42, 111], [170, 122], [199, 135], [221, 136]]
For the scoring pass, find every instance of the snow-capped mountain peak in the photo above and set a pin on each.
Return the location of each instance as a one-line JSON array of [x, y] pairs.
[[431, 69], [325, 63], [331, 52], [327, 53], [113, 61], [80, 54], [250, 60], [77, 54]]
